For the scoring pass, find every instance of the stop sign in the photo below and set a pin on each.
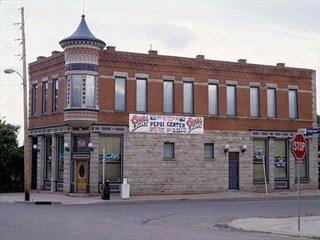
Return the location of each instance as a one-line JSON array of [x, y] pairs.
[[299, 146]]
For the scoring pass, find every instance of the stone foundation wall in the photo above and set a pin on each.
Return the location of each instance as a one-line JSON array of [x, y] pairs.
[[148, 172]]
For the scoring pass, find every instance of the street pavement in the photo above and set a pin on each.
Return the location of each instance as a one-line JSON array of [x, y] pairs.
[[309, 225]]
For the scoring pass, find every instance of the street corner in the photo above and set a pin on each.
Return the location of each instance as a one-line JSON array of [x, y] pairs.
[[282, 226]]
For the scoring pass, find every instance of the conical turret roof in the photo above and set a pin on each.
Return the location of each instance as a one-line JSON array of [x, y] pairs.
[[82, 35]]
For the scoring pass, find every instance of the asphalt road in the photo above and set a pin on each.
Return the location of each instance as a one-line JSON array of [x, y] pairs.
[[187, 220]]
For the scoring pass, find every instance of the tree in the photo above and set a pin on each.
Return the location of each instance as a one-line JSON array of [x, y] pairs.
[[11, 158]]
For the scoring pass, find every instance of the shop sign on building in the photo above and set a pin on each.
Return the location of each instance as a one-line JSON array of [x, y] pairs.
[[165, 124]]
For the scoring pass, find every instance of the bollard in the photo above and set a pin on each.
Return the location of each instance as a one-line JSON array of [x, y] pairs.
[[125, 189], [105, 193]]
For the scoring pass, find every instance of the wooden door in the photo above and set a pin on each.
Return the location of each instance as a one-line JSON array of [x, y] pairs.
[[82, 176]]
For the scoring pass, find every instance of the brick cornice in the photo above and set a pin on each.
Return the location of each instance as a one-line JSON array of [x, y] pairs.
[[182, 63], [45, 63]]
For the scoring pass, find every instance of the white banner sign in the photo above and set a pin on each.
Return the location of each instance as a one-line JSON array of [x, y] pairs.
[[165, 124]]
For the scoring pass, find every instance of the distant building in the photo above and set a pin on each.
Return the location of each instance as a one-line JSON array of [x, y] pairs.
[[167, 124]]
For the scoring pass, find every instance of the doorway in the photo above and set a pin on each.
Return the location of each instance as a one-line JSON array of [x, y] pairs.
[[81, 176], [233, 171]]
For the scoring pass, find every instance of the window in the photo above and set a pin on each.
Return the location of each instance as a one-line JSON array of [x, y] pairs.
[[168, 96], [280, 159], [34, 99], [231, 100], [48, 157], [60, 154], [55, 94], [260, 160], [188, 97], [76, 88], [141, 95], [254, 102], [213, 99], [45, 97], [120, 94], [208, 151], [271, 95], [90, 91], [168, 150], [293, 110], [83, 91], [112, 147]]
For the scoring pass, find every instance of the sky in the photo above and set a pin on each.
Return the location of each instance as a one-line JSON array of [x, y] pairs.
[[263, 32]]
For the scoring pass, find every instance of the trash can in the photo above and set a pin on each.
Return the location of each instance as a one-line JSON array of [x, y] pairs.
[[105, 193]]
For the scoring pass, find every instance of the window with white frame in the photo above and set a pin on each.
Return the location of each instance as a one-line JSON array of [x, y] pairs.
[[81, 91], [188, 97], [45, 97], [90, 91], [76, 90], [213, 99], [271, 105], [55, 94], [34, 99], [168, 96], [231, 100], [120, 94], [293, 100], [141, 95], [254, 102]]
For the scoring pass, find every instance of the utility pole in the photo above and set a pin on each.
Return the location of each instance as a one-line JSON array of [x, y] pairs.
[[25, 113], [26, 145]]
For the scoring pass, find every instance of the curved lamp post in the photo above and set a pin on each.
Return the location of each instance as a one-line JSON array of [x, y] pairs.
[[26, 138]]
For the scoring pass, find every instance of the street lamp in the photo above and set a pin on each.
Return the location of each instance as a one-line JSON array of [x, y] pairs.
[[26, 138]]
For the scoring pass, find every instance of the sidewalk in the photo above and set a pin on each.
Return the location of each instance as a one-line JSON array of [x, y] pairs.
[[310, 225]]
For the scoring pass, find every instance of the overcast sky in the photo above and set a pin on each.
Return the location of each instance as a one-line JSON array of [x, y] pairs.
[[263, 32]]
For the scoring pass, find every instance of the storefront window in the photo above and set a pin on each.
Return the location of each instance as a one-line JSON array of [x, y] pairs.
[[48, 157], [280, 159], [111, 146], [60, 154], [259, 155]]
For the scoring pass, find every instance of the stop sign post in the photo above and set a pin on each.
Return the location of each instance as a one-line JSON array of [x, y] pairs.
[[299, 146]]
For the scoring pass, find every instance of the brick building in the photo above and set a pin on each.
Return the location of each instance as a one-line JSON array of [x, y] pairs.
[[167, 124]]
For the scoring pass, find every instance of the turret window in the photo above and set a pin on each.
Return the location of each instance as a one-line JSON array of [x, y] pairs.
[[81, 91]]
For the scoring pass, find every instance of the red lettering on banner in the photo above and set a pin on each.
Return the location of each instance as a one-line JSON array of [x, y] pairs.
[[139, 121]]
